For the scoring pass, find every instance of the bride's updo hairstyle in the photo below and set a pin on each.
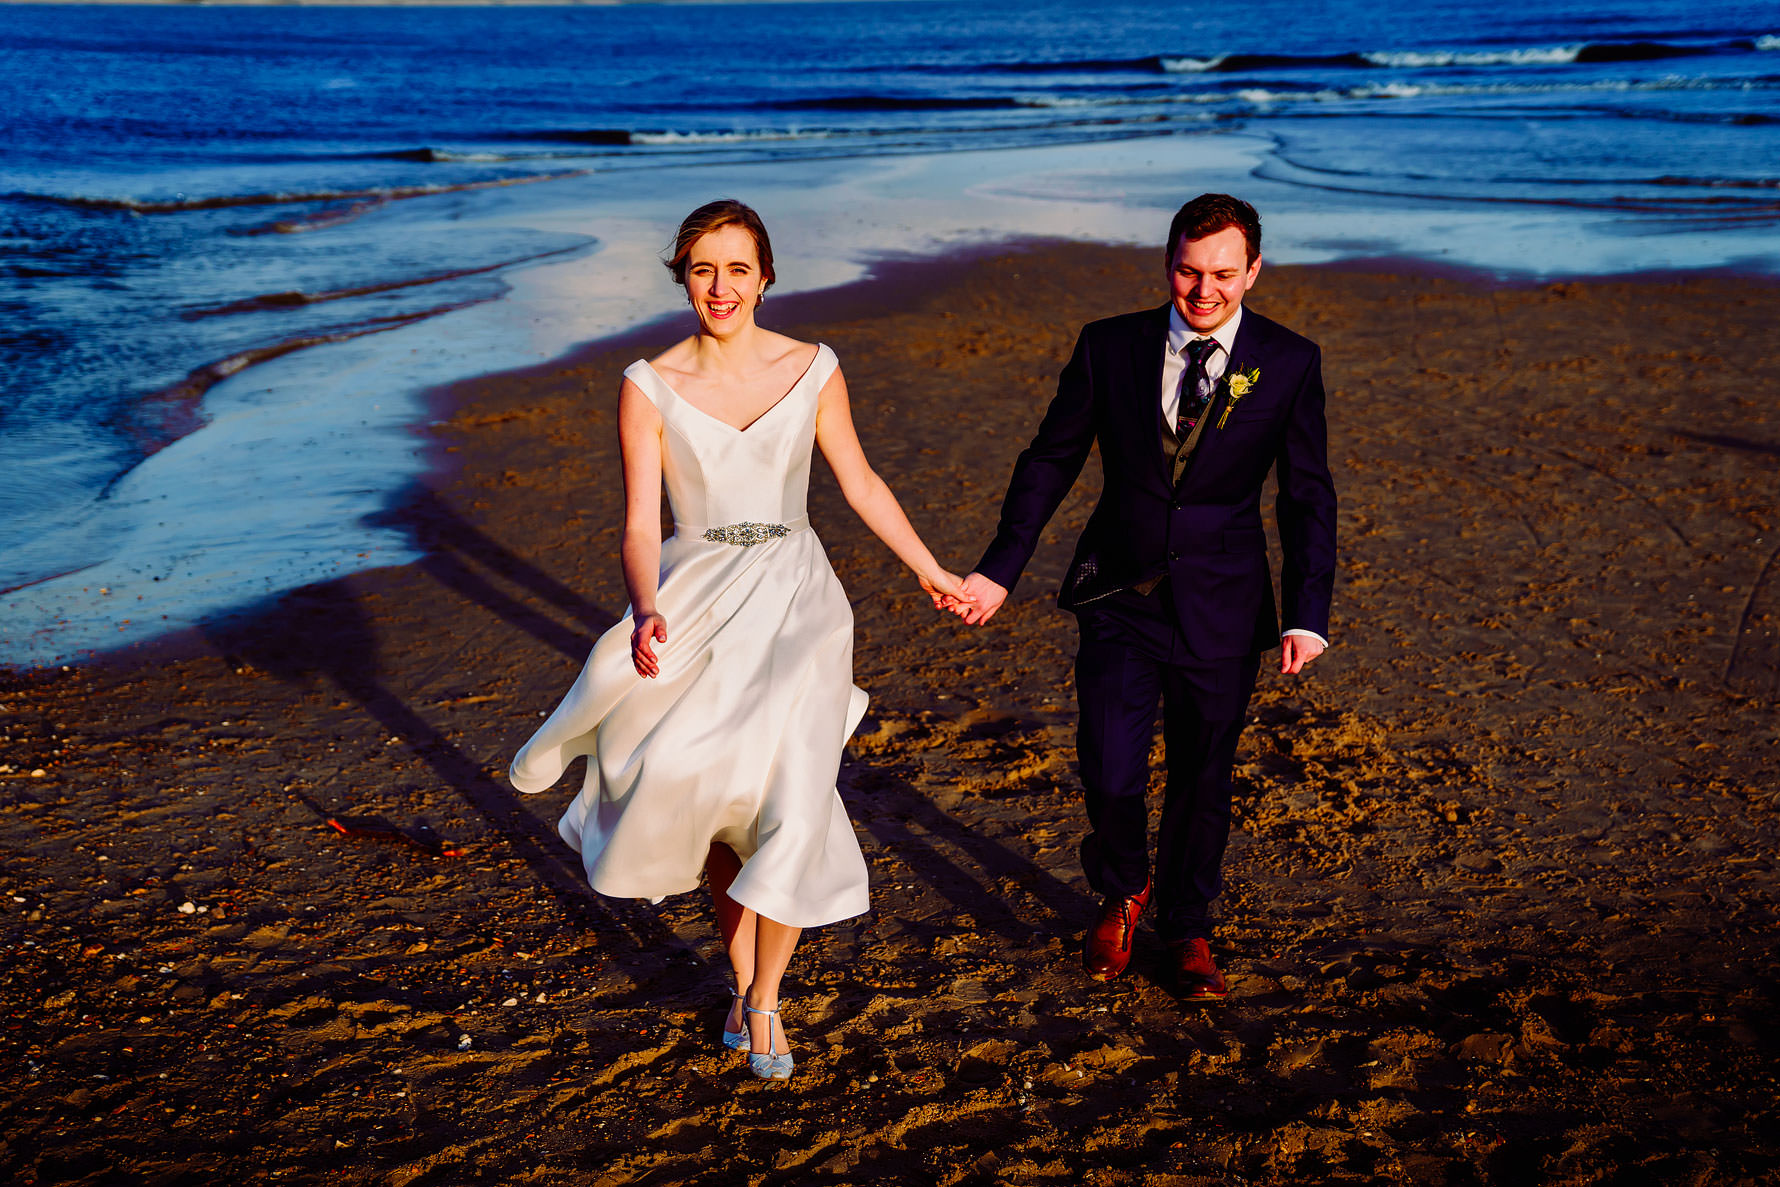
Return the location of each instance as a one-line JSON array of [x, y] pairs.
[[713, 216]]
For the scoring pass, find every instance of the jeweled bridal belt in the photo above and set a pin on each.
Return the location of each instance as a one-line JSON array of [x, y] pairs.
[[743, 535]]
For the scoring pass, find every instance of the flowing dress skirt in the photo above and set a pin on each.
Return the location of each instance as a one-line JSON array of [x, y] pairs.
[[738, 740]]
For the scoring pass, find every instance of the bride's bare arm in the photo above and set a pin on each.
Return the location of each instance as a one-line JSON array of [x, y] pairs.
[[639, 443], [870, 496]]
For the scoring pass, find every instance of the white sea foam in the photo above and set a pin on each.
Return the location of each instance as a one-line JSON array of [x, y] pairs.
[[670, 138], [1768, 43], [1419, 59], [1261, 95], [1191, 65], [1668, 82], [1197, 98]]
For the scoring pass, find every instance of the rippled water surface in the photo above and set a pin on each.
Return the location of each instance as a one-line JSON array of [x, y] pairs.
[[215, 213]]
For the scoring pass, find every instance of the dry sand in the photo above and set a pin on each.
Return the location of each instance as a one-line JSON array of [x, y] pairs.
[[1502, 894]]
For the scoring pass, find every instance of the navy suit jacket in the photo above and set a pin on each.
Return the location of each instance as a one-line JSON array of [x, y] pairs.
[[1205, 534]]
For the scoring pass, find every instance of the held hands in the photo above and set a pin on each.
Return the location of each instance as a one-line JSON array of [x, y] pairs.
[[650, 628], [982, 599], [946, 591], [1295, 651]]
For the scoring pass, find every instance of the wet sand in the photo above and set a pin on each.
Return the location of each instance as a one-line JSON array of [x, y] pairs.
[[1502, 894]]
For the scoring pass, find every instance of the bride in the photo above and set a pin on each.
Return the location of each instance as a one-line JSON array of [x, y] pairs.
[[714, 715]]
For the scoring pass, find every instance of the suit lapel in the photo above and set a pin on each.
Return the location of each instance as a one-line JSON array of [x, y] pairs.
[[1251, 338], [1145, 404]]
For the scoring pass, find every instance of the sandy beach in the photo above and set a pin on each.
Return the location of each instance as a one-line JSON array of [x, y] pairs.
[[1502, 894]]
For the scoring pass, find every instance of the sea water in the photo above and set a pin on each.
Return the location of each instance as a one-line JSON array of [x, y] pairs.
[[240, 242]]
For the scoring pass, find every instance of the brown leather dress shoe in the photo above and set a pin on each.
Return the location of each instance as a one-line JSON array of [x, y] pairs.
[[1196, 976], [1108, 947]]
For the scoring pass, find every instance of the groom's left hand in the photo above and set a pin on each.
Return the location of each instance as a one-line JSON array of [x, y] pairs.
[[1295, 651]]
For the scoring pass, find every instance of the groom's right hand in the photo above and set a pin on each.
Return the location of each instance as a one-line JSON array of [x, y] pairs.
[[986, 597]]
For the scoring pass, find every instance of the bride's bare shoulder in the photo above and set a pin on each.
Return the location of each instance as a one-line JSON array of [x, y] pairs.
[[791, 353], [677, 359]]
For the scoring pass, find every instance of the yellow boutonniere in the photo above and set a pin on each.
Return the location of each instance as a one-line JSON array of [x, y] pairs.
[[1239, 383]]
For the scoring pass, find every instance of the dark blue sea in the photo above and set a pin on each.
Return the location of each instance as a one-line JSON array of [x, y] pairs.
[[240, 241]]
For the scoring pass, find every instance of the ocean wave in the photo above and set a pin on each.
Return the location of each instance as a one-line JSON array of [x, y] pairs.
[[1721, 183], [1149, 65], [1243, 63], [1422, 59], [1069, 101], [1734, 119], [1275, 95], [1262, 96], [894, 103], [1188, 65], [1140, 98], [296, 297], [283, 198], [1394, 59], [1261, 91], [1673, 82], [632, 137], [604, 136], [1640, 51], [1394, 90], [451, 156], [672, 138]]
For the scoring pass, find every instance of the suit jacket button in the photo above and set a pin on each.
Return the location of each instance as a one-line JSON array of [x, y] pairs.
[[1174, 556]]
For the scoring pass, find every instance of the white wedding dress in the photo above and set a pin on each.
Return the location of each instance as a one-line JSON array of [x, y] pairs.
[[739, 738]]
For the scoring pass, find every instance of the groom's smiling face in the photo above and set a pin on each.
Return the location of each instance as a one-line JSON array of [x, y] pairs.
[[1208, 277]]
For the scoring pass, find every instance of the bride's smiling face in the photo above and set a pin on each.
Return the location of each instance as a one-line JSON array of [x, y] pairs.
[[723, 279]]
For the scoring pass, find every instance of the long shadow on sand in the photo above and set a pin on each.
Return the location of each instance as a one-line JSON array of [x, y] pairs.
[[454, 550], [919, 833], [1728, 441], [321, 631]]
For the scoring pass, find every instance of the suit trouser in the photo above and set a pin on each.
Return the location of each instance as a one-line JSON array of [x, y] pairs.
[[1132, 655]]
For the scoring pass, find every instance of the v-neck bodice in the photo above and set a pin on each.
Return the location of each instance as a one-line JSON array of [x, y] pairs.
[[717, 474]]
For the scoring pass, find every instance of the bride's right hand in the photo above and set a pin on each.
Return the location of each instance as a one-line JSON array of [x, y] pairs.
[[650, 628]]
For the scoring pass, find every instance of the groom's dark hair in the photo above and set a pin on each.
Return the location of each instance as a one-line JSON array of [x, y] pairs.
[[1210, 213]]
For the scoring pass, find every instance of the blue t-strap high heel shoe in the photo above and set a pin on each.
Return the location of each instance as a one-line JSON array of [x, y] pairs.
[[735, 1040], [772, 1065]]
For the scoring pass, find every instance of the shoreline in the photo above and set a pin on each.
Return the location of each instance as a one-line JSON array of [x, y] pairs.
[[900, 277], [435, 405], [306, 449], [302, 464], [1500, 891]]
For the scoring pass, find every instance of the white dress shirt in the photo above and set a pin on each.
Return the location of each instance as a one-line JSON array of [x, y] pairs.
[[1175, 362], [1175, 365]]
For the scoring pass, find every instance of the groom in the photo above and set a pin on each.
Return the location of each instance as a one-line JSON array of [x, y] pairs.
[[1191, 405]]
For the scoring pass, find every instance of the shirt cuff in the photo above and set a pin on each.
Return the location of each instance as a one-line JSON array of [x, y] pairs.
[[1307, 634]]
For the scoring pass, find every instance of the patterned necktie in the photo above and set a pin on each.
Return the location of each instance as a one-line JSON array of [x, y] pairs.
[[1195, 388]]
